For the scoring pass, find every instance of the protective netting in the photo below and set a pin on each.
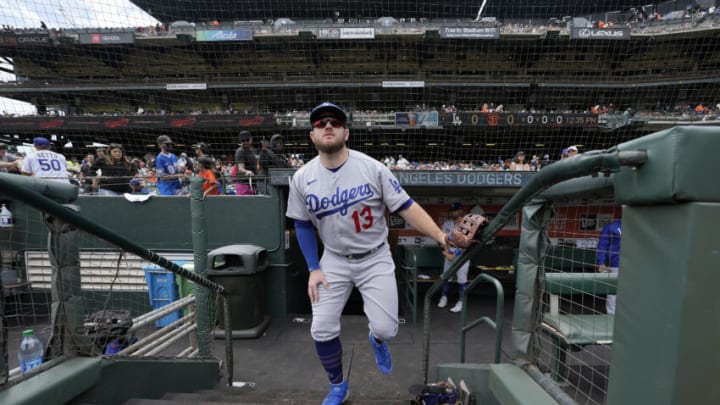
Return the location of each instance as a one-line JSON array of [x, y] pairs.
[[580, 267], [82, 295], [447, 85]]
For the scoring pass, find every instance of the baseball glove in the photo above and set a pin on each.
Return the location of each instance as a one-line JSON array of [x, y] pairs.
[[464, 232]]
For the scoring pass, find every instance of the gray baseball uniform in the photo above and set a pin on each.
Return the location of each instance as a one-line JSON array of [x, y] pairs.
[[347, 206]]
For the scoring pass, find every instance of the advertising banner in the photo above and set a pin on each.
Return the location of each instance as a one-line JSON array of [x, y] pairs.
[[600, 33], [138, 122], [107, 38], [470, 32], [223, 35], [186, 86], [417, 119], [32, 39], [346, 33], [8, 40], [403, 84]]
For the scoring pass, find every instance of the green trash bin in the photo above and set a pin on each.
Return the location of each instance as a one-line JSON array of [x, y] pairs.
[[185, 286], [239, 269]]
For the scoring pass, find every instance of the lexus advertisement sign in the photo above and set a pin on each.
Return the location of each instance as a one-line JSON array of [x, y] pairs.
[[107, 38], [600, 33]]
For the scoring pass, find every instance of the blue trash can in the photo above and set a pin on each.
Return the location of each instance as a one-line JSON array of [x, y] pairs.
[[163, 290]]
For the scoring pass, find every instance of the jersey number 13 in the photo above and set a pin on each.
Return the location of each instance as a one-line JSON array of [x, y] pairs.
[[362, 219]]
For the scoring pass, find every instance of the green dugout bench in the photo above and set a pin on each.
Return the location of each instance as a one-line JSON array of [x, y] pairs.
[[418, 265], [569, 259], [574, 331]]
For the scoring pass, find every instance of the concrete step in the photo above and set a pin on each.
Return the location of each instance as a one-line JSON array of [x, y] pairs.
[[249, 396]]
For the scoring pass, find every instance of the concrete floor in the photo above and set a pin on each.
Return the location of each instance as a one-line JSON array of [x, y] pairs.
[[284, 358]]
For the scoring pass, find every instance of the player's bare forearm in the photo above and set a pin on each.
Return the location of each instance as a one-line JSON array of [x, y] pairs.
[[421, 221]]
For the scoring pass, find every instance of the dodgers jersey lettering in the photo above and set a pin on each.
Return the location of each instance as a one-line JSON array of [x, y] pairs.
[[346, 206], [46, 164]]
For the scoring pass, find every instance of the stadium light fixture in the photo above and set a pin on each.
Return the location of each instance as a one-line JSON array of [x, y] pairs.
[[482, 7], [490, 144]]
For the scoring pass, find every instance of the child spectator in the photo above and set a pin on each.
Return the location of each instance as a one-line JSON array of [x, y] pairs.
[[206, 171], [136, 187]]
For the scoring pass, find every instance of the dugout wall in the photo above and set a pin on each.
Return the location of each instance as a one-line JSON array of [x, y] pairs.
[[667, 325]]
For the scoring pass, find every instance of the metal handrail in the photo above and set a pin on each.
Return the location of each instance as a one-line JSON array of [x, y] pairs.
[[496, 324]]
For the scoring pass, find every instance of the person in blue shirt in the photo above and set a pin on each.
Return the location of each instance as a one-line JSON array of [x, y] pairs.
[[166, 168], [608, 256]]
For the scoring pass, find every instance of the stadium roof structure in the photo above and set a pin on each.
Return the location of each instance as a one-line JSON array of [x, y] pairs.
[[205, 82], [228, 10]]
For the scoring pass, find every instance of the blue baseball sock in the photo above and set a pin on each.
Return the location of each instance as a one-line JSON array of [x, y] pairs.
[[446, 289], [330, 354]]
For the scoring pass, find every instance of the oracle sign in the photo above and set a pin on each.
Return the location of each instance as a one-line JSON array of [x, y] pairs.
[[600, 33], [107, 38], [38, 39]]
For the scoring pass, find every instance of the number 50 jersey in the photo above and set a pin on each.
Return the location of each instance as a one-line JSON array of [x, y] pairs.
[[46, 164], [346, 205]]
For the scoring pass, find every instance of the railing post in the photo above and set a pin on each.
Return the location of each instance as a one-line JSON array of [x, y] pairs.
[[496, 324], [205, 305], [67, 313]]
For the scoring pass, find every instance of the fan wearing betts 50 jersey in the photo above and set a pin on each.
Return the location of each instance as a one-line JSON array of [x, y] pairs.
[[45, 164], [343, 194]]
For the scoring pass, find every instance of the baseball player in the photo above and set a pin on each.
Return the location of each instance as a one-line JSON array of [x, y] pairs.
[[45, 163], [343, 194], [456, 214]]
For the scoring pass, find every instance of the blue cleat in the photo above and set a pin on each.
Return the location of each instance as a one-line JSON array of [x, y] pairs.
[[337, 395], [382, 355]]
